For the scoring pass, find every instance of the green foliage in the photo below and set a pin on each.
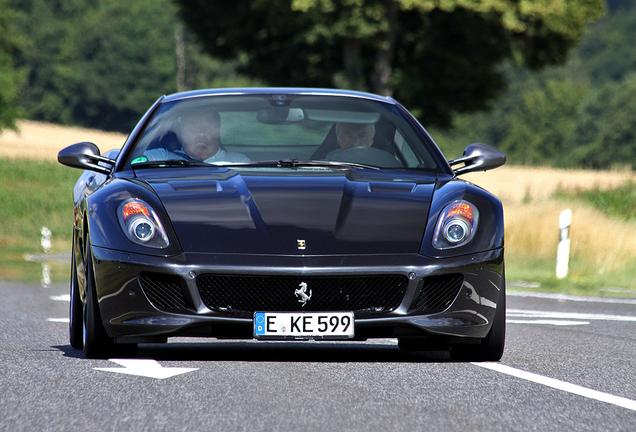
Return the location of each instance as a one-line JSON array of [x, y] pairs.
[[579, 115], [10, 81], [605, 133], [532, 122], [448, 64], [102, 63], [437, 57], [43, 24], [96, 63], [10, 77], [541, 123], [606, 52], [619, 202], [116, 60]]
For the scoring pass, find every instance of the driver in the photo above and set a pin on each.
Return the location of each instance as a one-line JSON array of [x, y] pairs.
[[351, 135], [354, 135], [199, 133]]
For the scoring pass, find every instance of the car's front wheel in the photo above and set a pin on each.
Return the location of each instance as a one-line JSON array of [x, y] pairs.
[[97, 344], [492, 347], [75, 326]]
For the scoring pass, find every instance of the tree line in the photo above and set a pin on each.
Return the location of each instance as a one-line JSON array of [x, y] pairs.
[[101, 63], [580, 114]]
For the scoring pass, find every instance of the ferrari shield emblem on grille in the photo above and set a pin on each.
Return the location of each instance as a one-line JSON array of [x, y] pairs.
[[301, 293], [301, 244]]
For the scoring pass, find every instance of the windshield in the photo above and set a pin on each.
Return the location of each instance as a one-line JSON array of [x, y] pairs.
[[249, 130]]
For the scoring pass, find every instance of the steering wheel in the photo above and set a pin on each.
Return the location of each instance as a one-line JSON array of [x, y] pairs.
[[366, 156]]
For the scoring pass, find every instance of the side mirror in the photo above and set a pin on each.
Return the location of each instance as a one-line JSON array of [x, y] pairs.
[[479, 157], [85, 155]]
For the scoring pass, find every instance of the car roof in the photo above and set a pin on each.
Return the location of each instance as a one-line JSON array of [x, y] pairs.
[[277, 91]]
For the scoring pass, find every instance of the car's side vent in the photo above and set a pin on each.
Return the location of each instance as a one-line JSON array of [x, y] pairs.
[[164, 291], [438, 292]]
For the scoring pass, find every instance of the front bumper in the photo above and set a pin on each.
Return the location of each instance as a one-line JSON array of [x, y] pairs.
[[129, 316]]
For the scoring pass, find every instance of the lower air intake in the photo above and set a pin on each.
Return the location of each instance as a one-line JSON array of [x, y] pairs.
[[438, 292], [164, 291]]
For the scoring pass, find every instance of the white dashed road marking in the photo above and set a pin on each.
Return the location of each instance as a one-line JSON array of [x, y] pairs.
[[520, 316], [548, 322], [564, 297]]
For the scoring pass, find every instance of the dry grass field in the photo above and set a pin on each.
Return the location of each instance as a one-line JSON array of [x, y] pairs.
[[603, 248], [44, 140], [515, 184]]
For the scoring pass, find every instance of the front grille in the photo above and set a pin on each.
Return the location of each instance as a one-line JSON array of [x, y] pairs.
[[243, 295], [164, 291], [438, 292]]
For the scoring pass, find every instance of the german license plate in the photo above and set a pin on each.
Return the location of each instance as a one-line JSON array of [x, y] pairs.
[[310, 325]]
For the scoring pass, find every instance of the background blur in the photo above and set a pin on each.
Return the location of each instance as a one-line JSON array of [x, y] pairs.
[[551, 83]]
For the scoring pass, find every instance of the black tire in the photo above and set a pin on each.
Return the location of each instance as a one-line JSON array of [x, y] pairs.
[[492, 347], [410, 344], [75, 323], [97, 344], [421, 344]]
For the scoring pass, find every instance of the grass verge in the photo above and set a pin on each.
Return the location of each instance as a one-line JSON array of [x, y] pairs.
[[538, 275], [34, 194], [602, 235]]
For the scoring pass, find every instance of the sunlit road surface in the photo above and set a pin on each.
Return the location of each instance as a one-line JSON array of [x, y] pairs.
[[569, 365]]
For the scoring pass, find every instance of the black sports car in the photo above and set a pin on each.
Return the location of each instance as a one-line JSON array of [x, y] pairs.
[[285, 214]]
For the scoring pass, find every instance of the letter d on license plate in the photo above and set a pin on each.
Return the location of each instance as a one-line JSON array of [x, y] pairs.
[[318, 325]]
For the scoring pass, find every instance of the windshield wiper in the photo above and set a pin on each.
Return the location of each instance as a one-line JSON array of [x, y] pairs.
[[284, 163], [295, 163], [169, 163], [323, 163]]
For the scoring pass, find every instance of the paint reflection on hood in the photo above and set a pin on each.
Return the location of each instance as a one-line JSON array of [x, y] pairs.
[[333, 214]]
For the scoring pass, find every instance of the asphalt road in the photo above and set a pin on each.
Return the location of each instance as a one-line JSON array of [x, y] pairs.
[[568, 366]]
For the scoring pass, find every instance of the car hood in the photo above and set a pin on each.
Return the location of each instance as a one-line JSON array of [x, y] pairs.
[[296, 212]]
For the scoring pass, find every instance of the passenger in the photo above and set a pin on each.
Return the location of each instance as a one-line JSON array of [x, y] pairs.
[[199, 134]]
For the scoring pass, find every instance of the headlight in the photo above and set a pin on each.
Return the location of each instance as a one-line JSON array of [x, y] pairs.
[[141, 224], [456, 225]]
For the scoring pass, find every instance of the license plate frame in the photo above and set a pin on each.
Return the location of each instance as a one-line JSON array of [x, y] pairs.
[[304, 325]]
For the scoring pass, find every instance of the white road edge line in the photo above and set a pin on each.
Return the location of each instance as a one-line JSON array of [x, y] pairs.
[[561, 385]]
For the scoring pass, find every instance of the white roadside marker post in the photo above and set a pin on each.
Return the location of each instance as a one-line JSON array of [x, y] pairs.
[[563, 251], [46, 239], [46, 268], [45, 258]]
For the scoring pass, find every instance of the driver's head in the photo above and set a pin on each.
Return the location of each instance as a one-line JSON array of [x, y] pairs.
[[354, 135], [200, 134]]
